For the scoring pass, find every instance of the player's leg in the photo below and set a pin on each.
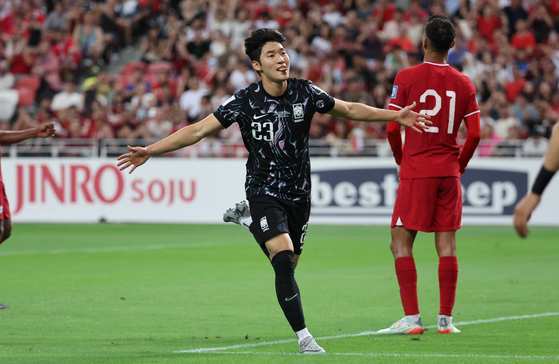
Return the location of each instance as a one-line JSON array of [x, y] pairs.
[[5, 215], [273, 232], [406, 273], [412, 212], [5, 222], [448, 216]]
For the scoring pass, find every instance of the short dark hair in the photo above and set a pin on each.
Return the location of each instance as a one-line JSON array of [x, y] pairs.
[[256, 41], [440, 32]]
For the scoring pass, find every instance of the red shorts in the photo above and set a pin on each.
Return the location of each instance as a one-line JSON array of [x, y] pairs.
[[5, 207], [428, 204]]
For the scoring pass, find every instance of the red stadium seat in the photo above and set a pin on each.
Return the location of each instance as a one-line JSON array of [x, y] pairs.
[[26, 96], [28, 82], [131, 66], [157, 66]]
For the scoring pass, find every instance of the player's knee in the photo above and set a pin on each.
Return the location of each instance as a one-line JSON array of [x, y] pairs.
[[283, 262]]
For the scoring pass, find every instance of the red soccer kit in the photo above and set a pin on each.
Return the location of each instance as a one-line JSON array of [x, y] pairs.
[[429, 194], [4, 205]]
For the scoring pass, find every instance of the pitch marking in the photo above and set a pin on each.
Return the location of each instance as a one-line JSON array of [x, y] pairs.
[[365, 333], [115, 248]]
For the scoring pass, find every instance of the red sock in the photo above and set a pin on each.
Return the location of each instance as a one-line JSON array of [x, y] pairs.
[[407, 279], [448, 277]]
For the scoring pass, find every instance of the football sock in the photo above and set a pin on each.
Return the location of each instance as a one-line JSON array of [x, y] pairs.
[[287, 290], [245, 222], [301, 334], [407, 280], [448, 277], [415, 319]]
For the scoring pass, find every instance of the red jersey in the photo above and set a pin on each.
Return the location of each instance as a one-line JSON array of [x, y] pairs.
[[448, 97]]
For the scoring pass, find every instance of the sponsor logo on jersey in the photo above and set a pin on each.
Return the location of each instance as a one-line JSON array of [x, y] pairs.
[[283, 114], [394, 92], [264, 224], [298, 112]]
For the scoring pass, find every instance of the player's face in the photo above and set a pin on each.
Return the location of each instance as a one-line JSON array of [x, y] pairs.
[[274, 62]]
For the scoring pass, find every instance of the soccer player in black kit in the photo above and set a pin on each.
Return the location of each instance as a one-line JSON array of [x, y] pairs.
[[274, 116]]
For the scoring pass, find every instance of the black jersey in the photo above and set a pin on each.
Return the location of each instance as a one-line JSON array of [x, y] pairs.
[[276, 133]]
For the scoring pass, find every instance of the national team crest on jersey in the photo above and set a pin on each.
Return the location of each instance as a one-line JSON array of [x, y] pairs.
[[394, 92], [298, 112]]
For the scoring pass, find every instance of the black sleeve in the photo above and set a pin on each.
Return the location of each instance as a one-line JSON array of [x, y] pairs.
[[228, 112], [322, 100]]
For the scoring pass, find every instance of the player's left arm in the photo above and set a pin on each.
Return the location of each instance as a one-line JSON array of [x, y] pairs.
[[523, 210], [473, 130], [360, 112], [42, 131]]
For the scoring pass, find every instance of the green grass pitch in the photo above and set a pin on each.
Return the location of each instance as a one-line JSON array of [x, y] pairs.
[[133, 293]]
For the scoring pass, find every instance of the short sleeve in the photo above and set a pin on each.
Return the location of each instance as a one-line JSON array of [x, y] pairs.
[[399, 92], [228, 112], [322, 100]]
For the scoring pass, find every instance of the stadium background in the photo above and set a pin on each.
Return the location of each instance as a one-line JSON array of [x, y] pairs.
[[159, 293], [114, 73]]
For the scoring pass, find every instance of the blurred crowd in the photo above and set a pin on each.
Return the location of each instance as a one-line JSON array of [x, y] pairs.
[[53, 56]]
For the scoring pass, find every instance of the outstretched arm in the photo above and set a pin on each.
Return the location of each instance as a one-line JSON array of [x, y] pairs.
[[528, 204], [360, 112], [186, 136], [42, 131]]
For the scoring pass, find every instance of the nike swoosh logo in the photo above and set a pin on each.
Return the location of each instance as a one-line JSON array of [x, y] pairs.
[[259, 117], [289, 299]]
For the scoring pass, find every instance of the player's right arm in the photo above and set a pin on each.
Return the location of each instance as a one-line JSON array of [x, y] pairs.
[[523, 210], [184, 137]]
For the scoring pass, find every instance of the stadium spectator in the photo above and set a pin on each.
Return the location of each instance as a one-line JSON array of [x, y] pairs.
[[68, 98], [89, 39], [514, 12], [142, 102], [47, 67], [57, 19], [190, 101]]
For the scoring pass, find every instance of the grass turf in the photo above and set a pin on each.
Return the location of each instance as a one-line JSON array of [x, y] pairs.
[[127, 293]]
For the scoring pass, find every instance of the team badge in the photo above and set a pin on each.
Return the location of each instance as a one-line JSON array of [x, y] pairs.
[[298, 112]]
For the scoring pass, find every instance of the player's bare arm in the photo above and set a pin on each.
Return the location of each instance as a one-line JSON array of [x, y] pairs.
[[361, 112], [45, 130], [523, 210], [185, 137]]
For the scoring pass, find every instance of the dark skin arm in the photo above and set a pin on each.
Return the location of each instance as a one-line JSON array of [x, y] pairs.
[[8, 137]]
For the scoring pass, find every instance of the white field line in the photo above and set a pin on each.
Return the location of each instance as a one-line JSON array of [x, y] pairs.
[[115, 248], [394, 355], [365, 333]]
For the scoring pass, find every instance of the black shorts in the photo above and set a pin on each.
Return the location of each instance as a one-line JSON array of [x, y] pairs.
[[272, 216]]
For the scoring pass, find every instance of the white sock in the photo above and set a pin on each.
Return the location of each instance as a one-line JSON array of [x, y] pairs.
[[448, 320], [245, 222], [301, 334], [413, 318]]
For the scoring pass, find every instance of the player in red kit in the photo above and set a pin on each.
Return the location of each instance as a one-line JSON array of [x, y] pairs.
[[10, 137], [430, 164]]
